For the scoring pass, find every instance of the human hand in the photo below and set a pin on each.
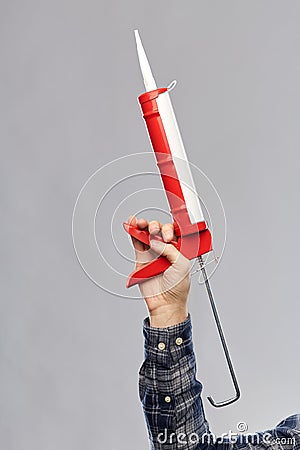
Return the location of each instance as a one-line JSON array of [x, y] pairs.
[[166, 294]]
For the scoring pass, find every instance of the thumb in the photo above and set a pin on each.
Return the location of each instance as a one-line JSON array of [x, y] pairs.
[[180, 264], [167, 250]]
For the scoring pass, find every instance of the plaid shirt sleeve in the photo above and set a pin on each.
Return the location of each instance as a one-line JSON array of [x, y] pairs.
[[171, 399]]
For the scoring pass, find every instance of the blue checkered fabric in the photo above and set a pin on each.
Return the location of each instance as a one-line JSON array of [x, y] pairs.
[[171, 399]]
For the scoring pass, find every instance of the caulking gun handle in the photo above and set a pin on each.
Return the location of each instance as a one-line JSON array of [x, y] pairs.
[[149, 270]]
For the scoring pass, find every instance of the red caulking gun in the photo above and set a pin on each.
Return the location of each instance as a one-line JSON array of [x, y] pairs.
[[193, 237]]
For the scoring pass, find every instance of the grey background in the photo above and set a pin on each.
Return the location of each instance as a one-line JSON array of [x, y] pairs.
[[69, 352]]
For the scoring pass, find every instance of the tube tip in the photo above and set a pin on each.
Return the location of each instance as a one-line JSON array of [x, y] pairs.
[[149, 81]]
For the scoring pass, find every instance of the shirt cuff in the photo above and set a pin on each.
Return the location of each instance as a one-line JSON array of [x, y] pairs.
[[165, 346]]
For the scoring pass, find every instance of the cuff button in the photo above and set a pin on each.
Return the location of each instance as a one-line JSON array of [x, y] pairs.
[[167, 399], [179, 341], [161, 346]]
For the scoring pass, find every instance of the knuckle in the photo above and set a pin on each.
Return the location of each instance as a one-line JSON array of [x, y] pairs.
[[184, 262], [173, 251]]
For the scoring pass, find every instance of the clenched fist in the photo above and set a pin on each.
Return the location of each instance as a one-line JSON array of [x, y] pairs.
[[166, 295]]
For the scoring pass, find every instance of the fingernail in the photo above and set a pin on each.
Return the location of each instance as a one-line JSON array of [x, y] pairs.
[[169, 235], [156, 245], [153, 230]]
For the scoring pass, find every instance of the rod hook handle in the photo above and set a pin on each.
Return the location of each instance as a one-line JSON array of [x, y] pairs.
[[223, 341]]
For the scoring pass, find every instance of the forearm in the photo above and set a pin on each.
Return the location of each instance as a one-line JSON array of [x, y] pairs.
[[169, 391]]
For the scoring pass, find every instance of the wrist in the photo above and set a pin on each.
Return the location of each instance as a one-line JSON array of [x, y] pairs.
[[166, 316]]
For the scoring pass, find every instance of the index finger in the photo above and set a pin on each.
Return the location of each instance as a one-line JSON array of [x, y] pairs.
[[138, 245]]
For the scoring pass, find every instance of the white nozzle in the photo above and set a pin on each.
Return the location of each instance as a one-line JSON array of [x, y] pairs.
[[149, 81]]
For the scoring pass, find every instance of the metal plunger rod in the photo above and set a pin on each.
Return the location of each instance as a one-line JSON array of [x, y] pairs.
[[223, 341]]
